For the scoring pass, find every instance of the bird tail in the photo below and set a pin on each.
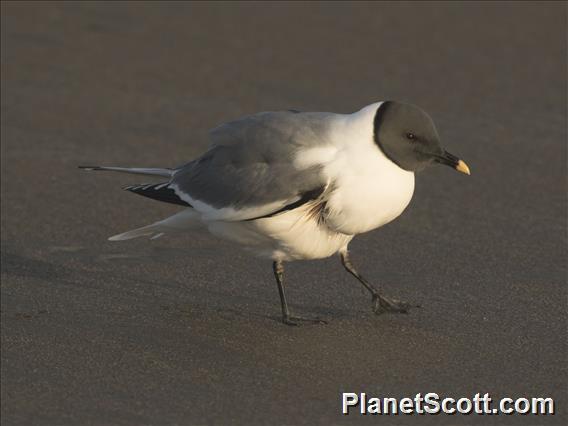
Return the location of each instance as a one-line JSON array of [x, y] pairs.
[[133, 170], [183, 221], [151, 231]]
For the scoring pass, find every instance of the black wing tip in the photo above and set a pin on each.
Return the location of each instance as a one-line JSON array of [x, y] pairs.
[[158, 191], [139, 187]]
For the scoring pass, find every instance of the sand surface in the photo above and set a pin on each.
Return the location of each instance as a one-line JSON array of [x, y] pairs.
[[185, 330]]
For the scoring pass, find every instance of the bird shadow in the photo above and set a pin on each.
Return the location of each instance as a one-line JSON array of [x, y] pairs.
[[326, 314], [44, 269]]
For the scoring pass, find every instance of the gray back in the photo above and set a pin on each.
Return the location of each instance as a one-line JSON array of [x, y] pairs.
[[250, 162]]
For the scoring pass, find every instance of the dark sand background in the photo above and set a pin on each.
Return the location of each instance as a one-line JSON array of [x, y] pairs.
[[185, 330]]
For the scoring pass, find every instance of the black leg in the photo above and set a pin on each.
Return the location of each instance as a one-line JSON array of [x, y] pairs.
[[381, 304], [278, 267]]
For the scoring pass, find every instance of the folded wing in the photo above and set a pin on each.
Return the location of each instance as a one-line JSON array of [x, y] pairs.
[[250, 170]]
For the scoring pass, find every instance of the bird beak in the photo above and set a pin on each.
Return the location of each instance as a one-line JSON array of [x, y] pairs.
[[462, 167], [453, 161]]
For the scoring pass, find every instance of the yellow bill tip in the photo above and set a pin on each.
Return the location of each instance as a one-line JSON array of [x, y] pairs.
[[462, 167]]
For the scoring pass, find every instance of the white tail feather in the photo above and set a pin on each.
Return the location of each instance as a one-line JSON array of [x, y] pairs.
[[183, 221], [133, 170], [135, 233]]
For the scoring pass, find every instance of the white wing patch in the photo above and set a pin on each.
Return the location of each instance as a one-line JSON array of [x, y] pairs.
[[314, 156], [210, 213]]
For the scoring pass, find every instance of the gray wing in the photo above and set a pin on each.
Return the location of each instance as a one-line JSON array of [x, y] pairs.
[[249, 170]]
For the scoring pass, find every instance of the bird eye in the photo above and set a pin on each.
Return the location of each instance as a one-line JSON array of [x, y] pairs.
[[410, 135]]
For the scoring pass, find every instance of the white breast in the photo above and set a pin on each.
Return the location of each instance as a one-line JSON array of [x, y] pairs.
[[369, 189], [368, 197]]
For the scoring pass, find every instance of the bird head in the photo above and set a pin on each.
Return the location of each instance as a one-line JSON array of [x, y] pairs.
[[408, 137]]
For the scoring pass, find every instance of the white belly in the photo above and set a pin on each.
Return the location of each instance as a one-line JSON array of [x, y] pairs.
[[287, 236], [366, 195]]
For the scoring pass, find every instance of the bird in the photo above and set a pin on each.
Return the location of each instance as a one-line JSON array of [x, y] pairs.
[[291, 185]]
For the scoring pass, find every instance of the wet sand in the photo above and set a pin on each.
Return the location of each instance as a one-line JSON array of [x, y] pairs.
[[185, 330]]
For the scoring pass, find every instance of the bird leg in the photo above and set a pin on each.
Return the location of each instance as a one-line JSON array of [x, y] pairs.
[[381, 303], [278, 267]]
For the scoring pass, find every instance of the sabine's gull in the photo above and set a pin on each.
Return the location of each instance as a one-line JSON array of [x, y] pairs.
[[291, 185]]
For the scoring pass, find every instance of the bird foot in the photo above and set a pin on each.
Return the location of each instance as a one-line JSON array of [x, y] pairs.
[[296, 321], [381, 305]]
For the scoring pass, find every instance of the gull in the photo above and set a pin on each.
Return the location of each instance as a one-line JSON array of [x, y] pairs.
[[292, 185]]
